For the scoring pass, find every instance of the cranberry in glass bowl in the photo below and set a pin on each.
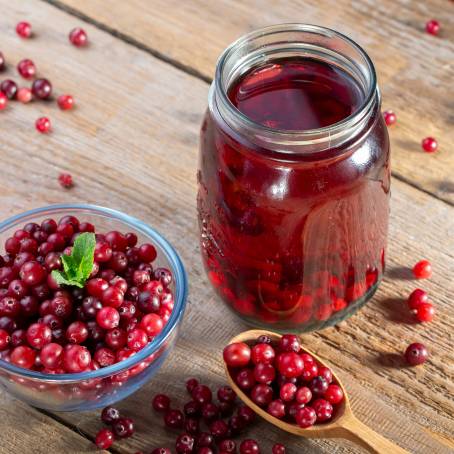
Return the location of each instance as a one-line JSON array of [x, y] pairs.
[[75, 348], [294, 178]]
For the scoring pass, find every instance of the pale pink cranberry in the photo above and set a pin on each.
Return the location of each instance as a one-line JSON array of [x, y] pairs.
[[3, 101], [24, 95]]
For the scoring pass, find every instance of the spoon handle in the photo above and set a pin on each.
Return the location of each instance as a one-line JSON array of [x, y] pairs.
[[373, 442]]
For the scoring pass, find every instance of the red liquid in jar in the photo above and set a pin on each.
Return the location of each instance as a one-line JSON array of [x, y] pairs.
[[294, 240], [296, 95]]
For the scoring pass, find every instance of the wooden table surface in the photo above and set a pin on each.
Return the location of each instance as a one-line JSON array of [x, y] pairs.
[[141, 90]]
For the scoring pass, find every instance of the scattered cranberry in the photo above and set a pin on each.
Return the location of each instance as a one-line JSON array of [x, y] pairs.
[[65, 180], [417, 297], [9, 88], [184, 444], [123, 427], [41, 88], [110, 415], [43, 125], [227, 446], [104, 439], [24, 29], [425, 312], [78, 37], [161, 402], [249, 447], [174, 419], [278, 449], [422, 270], [416, 354], [202, 394], [389, 117], [429, 145], [24, 95], [432, 27], [65, 102], [3, 101], [226, 394], [26, 68]]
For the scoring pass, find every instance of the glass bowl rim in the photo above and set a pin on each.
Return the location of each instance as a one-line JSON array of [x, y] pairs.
[[181, 291]]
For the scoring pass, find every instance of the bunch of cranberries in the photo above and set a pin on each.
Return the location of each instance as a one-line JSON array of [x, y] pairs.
[[284, 380], [224, 421], [56, 329]]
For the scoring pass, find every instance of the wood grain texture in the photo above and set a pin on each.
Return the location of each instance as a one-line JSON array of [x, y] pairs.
[[415, 69], [131, 144]]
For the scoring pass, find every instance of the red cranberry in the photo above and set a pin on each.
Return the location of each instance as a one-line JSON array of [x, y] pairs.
[[422, 270], [262, 395], [219, 429], [104, 439], [191, 409], [8, 324], [43, 125], [123, 427], [174, 419], [32, 273], [147, 252], [24, 29], [210, 412], [112, 297], [310, 371], [249, 447], [164, 276], [319, 386], [105, 357], [23, 356], [65, 102], [9, 88], [65, 180], [78, 37], [9, 306], [77, 332], [61, 306], [137, 339], [326, 373], [416, 354], [246, 414], [95, 332], [191, 383], [245, 379], [18, 337], [51, 355], [131, 238], [41, 88], [205, 440], [278, 449], [227, 446], [287, 392], [96, 287], [5, 339], [185, 444], [152, 324], [236, 425], [323, 409], [38, 335], [76, 358], [162, 451], [117, 240], [226, 394], [86, 226], [389, 117], [334, 394], [290, 364], [119, 283], [26, 68], [417, 297], [118, 262], [306, 417], [2, 62], [202, 394], [264, 373], [276, 408], [116, 338], [432, 27], [289, 343], [90, 307], [161, 402], [49, 226], [262, 353], [3, 101], [109, 415], [108, 318], [425, 312], [237, 354]]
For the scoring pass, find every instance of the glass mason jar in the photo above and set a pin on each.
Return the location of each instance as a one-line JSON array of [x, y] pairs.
[[293, 223]]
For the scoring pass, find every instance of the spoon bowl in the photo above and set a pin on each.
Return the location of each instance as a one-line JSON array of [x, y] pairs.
[[343, 425]]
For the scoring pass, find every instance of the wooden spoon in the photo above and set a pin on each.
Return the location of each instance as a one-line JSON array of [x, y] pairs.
[[343, 425]]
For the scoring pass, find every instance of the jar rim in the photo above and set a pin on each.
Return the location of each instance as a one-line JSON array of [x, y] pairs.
[[230, 113]]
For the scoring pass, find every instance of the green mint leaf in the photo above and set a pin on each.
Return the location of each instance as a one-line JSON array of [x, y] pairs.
[[60, 279], [77, 267]]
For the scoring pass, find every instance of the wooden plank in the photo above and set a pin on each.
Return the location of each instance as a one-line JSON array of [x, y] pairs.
[[415, 69], [26, 430], [131, 144]]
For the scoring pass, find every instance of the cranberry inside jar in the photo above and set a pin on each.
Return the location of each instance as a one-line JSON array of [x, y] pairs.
[[294, 178]]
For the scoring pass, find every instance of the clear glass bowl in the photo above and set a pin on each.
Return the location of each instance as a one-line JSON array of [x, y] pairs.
[[90, 390]]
